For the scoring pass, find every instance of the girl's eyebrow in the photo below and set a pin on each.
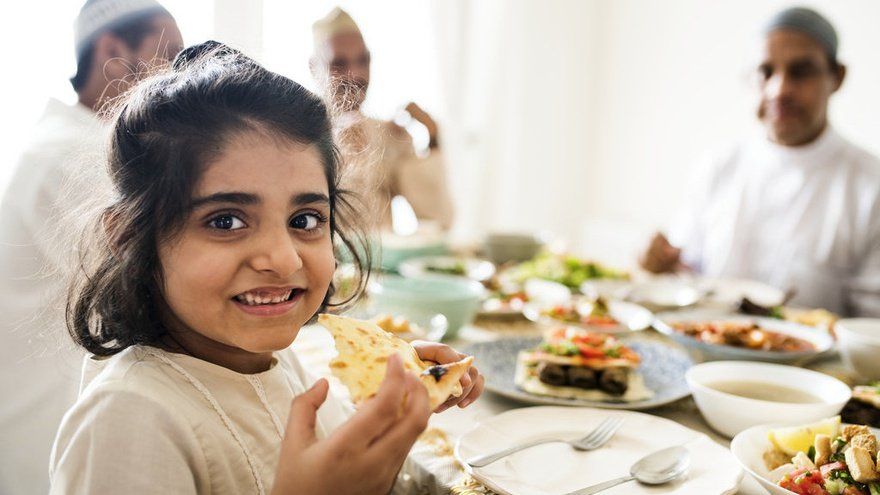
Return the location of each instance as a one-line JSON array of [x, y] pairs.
[[309, 197], [238, 198], [241, 198]]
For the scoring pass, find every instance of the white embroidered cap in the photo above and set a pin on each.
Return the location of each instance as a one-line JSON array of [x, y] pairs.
[[97, 16]]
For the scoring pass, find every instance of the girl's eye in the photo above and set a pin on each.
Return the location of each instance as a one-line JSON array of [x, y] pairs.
[[306, 221], [226, 222]]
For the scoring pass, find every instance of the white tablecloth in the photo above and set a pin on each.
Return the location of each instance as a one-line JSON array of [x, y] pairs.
[[438, 472]]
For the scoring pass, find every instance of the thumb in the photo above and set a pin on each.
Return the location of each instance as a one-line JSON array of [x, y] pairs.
[[303, 415]]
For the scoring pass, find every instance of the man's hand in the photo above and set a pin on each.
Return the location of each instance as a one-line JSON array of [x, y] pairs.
[[661, 256], [423, 118]]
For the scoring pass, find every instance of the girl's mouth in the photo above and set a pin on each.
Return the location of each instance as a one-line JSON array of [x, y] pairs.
[[266, 296], [268, 301]]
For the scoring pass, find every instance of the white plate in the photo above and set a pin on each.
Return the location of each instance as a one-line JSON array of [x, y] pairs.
[[607, 288], [819, 338], [494, 308], [475, 269], [665, 294], [557, 468], [546, 291], [749, 446], [730, 291], [631, 317]]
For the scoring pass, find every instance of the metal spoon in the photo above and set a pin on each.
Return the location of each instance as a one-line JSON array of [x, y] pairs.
[[660, 467]]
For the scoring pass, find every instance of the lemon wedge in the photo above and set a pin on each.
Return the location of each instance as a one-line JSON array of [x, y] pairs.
[[794, 439]]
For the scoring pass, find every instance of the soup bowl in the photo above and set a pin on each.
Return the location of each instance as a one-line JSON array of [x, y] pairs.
[[730, 413]]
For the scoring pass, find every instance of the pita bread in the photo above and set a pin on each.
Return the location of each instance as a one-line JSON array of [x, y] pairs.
[[363, 353]]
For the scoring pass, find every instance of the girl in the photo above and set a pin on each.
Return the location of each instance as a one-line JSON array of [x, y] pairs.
[[217, 249]]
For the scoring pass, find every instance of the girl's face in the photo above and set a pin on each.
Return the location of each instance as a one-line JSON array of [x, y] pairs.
[[254, 259]]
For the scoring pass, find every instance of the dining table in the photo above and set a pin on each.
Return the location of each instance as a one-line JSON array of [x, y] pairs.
[[435, 468]]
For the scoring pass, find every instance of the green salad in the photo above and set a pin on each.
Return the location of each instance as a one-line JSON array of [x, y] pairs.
[[565, 269], [457, 268]]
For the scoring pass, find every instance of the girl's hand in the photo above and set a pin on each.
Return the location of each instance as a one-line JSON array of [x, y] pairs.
[[365, 454], [472, 382]]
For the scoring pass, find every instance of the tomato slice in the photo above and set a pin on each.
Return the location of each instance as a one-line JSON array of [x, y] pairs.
[[804, 482], [588, 351]]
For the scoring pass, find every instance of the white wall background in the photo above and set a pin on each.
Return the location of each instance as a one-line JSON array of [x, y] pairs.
[[576, 117], [674, 82], [598, 110]]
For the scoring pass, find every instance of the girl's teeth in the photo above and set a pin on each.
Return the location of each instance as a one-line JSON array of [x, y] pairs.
[[253, 300]]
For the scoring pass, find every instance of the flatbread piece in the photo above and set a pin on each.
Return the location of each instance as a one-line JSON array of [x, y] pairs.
[[363, 355]]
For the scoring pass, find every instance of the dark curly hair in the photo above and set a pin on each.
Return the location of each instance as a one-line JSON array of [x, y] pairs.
[[164, 130]]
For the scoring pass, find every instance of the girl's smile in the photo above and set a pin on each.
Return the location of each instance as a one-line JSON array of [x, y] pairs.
[[269, 301]]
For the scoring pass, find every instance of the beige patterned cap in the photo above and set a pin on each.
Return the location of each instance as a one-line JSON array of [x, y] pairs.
[[336, 22]]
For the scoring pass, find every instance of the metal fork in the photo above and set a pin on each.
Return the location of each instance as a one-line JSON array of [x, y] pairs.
[[595, 439]]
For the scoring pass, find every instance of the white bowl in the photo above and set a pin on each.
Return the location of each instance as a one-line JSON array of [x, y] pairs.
[[509, 247], [749, 446], [730, 291], [730, 414], [859, 341]]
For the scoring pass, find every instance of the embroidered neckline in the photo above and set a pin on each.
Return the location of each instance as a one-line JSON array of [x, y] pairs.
[[227, 421]]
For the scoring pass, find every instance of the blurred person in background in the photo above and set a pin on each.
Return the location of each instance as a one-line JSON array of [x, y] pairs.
[[795, 205], [383, 162], [114, 41]]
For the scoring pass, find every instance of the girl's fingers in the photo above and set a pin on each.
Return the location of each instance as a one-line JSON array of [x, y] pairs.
[[467, 385], [479, 385], [300, 431], [439, 353], [465, 391], [400, 437], [466, 381], [449, 403]]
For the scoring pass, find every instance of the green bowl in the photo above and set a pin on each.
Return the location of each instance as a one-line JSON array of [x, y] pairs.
[[420, 299], [388, 257], [392, 256]]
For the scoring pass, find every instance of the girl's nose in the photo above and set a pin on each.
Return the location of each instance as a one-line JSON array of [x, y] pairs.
[[276, 252]]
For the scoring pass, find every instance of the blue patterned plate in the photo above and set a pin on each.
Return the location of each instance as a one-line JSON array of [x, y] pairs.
[[663, 368]]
